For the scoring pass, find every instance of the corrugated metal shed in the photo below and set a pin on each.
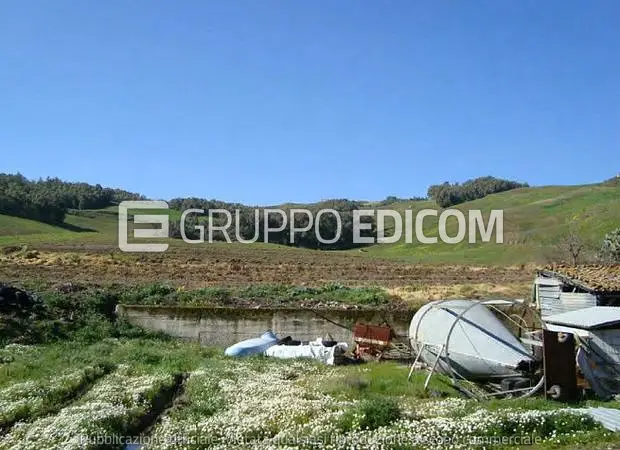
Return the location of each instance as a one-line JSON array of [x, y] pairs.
[[573, 301], [592, 318], [551, 300], [547, 294]]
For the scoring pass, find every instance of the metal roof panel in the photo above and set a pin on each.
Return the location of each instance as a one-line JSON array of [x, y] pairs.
[[588, 318]]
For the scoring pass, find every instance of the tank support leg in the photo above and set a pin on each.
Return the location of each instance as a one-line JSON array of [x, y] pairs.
[[415, 361], [430, 374]]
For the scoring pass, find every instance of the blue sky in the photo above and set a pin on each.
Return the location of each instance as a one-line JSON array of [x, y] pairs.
[[273, 101]]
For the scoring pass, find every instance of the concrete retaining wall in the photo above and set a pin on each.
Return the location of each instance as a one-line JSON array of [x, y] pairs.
[[225, 326]]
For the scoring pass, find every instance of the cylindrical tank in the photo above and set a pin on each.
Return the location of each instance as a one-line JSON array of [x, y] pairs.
[[468, 338]]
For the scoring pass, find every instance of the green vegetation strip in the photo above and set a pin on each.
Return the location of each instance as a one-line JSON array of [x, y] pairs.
[[162, 294], [87, 315]]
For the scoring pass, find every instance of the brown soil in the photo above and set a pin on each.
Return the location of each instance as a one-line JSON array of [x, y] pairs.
[[236, 265]]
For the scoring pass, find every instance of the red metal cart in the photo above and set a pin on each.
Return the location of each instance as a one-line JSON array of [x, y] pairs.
[[371, 340]]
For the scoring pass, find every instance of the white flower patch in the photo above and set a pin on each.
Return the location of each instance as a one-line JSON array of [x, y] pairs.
[[442, 432], [19, 349], [31, 398], [102, 412], [10, 351], [270, 409], [259, 407], [258, 404]]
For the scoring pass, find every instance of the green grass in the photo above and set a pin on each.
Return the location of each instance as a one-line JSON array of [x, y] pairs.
[[100, 226], [374, 379], [12, 228], [163, 294], [144, 354], [373, 413], [535, 219], [102, 389]]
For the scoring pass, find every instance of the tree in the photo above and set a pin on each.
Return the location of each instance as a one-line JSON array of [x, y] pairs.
[[48, 200], [571, 243], [447, 194]]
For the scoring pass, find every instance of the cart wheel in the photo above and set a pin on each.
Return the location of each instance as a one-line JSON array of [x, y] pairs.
[[555, 392], [562, 337]]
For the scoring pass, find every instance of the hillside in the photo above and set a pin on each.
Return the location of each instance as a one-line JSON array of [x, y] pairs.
[[80, 227], [535, 219]]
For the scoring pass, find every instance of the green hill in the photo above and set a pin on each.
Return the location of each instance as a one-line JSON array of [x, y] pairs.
[[88, 226], [535, 221], [98, 225]]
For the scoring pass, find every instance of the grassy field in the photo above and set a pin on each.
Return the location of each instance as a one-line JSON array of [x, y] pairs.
[[178, 395], [535, 219]]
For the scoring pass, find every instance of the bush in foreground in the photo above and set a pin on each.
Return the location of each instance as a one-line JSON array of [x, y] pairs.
[[371, 414]]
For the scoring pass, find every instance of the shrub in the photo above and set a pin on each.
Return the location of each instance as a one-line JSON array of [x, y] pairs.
[[371, 414], [611, 246]]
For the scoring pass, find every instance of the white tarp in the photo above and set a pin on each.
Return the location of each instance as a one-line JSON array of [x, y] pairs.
[[314, 350]]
